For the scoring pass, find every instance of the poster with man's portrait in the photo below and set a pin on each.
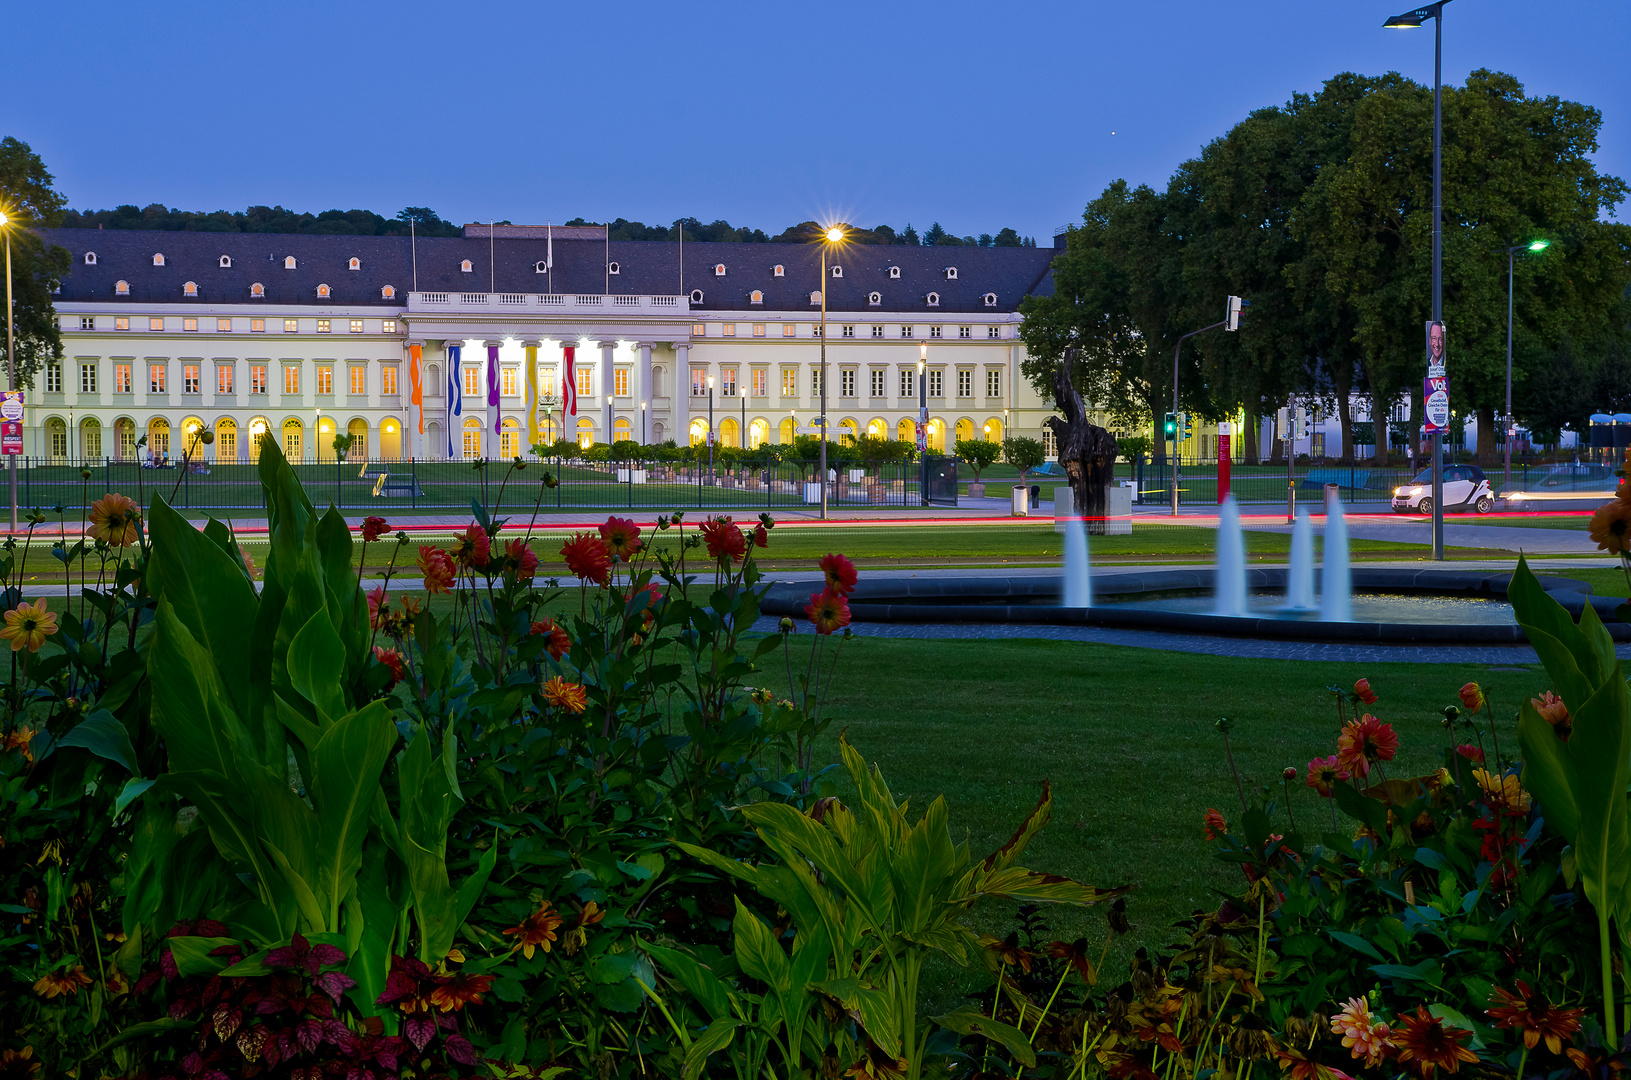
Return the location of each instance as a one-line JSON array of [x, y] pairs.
[[1435, 345]]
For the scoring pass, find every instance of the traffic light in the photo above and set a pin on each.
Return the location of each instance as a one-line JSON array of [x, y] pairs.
[[1172, 425], [1189, 426], [1237, 308], [1308, 423]]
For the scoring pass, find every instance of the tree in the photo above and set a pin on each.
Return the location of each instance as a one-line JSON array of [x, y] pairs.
[[935, 235], [1023, 453], [979, 454], [909, 235], [1007, 238], [37, 268]]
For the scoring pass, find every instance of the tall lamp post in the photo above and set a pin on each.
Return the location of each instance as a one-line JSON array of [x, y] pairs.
[[642, 423], [923, 418], [11, 361], [1411, 20], [1533, 245], [833, 235], [710, 429]]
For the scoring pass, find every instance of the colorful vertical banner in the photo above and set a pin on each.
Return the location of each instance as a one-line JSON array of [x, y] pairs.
[[492, 388], [455, 392], [534, 436], [569, 382], [416, 380], [11, 422]]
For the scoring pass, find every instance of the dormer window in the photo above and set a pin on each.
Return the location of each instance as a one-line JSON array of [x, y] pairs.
[[121, 288], [951, 273], [874, 298], [224, 262], [288, 262], [696, 296], [613, 268], [158, 259], [719, 270], [190, 289], [388, 293], [756, 297], [540, 267], [257, 290], [90, 258], [322, 292], [838, 271], [815, 296], [934, 299], [353, 263], [894, 273], [781, 271], [464, 267], [990, 299]]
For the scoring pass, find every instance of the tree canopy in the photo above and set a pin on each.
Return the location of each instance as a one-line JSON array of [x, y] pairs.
[[30, 202]]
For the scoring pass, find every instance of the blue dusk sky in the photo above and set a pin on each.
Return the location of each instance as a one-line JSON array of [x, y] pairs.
[[978, 115]]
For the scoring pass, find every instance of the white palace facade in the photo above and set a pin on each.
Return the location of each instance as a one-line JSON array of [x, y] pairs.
[[167, 334]]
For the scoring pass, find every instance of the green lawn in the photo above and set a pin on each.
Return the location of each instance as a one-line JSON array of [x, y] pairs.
[[1569, 521], [1126, 737]]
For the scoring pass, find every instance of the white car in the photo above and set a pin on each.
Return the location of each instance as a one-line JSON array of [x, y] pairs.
[[1563, 487], [1464, 486]]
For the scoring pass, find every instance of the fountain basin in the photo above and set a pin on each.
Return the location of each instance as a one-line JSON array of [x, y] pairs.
[[1125, 600]]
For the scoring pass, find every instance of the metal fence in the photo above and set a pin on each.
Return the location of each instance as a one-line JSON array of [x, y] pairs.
[[380, 486], [1357, 482]]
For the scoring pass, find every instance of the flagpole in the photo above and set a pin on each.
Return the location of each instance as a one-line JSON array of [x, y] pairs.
[[492, 273], [413, 246]]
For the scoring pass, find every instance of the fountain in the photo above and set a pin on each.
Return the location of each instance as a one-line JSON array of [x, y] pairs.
[[1300, 571], [1229, 575], [1336, 575], [1078, 583]]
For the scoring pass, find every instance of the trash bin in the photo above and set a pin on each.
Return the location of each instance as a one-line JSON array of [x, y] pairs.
[[1022, 502]]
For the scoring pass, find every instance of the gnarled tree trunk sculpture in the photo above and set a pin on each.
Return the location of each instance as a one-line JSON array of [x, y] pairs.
[[1087, 451]]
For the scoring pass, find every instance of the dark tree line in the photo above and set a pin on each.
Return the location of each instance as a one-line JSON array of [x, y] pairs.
[[1319, 213], [804, 232]]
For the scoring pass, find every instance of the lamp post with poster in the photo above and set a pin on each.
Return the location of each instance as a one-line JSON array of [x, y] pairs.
[[13, 425], [831, 236]]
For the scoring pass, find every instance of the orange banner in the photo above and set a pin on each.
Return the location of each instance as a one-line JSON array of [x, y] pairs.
[[418, 395]]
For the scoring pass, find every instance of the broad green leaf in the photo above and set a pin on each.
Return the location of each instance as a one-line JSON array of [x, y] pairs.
[[370, 923], [316, 662], [103, 735], [966, 1021], [877, 1012], [1548, 772], [190, 709], [717, 1036], [1599, 745], [1357, 943], [346, 767], [758, 952], [1009, 853], [301, 887], [698, 980], [134, 789], [192, 957]]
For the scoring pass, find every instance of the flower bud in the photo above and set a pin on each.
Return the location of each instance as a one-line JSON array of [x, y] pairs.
[[1288, 774], [786, 626]]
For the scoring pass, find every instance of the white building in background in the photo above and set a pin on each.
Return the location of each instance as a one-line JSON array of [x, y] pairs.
[[168, 333]]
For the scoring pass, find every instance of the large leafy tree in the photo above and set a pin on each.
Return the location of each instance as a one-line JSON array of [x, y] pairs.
[[30, 203]]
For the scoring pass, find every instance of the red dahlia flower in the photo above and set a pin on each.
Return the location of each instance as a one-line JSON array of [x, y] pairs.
[[841, 573], [1325, 773], [1217, 827], [724, 539], [828, 611], [558, 643], [588, 558], [437, 566], [1364, 742], [393, 660], [622, 537], [523, 558], [1364, 693], [373, 528], [474, 548]]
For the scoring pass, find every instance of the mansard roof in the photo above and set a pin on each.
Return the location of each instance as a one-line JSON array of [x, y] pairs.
[[508, 265]]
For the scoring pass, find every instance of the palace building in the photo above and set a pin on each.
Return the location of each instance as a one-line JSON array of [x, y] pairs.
[[171, 333]]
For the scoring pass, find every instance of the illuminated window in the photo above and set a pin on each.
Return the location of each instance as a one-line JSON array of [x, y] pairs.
[[356, 326], [257, 291], [158, 260], [727, 381], [223, 378], [908, 382], [758, 329], [507, 381], [699, 382], [471, 443], [121, 288], [354, 263], [719, 270], [387, 379], [728, 330], [993, 383], [290, 326], [325, 379], [288, 262], [464, 266], [53, 378], [1050, 442], [761, 381], [155, 378], [699, 329], [87, 378], [790, 382], [620, 382], [291, 378], [586, 382], [189, 326], [788, 330], [781, 271], [223, 326], [816, 330], [322, 326], [257, 378], [756, 297], [257, 326], [965, 383], [877, 382], [121, 378], [190, 289], [388, 326], [121, 322], [155, 323], [388, 293], [359, 379], [189, 378], [472, 382]]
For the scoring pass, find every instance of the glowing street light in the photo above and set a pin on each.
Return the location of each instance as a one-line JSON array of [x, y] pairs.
[[833, 235], [1533, 245], [11, 360]]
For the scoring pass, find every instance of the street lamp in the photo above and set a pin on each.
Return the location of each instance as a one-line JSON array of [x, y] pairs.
[[710, 430], [11, 360], [1533, 245], [1408, 21], [642, 423], [923, 420], [833, 235]]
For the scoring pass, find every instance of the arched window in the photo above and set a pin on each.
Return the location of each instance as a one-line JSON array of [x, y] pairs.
[[190, 289], [756, 297], [509, 439], [613, 268], [358, 430], [90, 258], [540, 267], [470, 445], [719, 270], [90, 438], [322, 292], [586, 432], [622, 430], [288, 262], [354, 263], [951, 273], [894, 273], [464, 267], [874, 298], [292, 448], [934, 299], [56, 433], [158, 259], [257, 290], [226, 439], [838, 271], [815, 296], [225, 261], [696, 296], [388, 293], [990, 299], [121, 288], [781, 271]]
